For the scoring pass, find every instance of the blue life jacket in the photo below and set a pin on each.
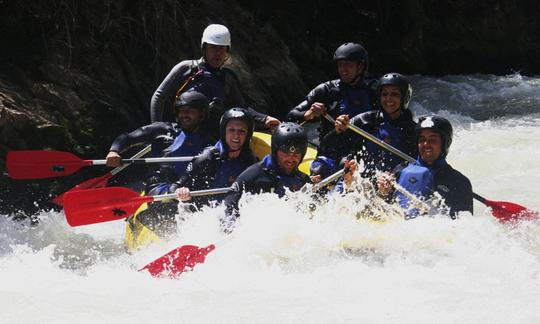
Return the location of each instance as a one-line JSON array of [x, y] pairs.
[[228, 170], [392, 135], [356, 100], [186, 144], [293, 181], [211, 82], [418, 179]]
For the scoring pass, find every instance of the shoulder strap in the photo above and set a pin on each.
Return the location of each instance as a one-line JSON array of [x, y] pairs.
[[193, 73]]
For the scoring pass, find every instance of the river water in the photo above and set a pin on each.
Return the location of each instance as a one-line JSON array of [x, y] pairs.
[[286, 264]]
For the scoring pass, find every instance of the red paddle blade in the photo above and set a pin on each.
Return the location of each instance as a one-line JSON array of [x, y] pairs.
[[93, 183], [91, 206], [506, 211], [178, 261], [42, 164]]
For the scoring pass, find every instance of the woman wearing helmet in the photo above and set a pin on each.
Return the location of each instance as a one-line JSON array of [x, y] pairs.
[[431, 173], [392, 123], [219, 165], [209, 76], [349, 95]]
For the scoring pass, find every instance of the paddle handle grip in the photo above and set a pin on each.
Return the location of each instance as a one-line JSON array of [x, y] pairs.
[[148, 160], [137, 155], [197, 193]]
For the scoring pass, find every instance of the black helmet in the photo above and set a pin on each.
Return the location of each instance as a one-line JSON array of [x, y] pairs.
[[400, 81], [352, 52], [235, 113], [289, 137], [437, 124], [192, 98]]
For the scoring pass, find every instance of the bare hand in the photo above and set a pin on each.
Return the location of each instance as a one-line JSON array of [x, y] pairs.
[[316, 178], [271, 122], [341, 123], [315, 110], [113, 159], [385, 183], [350, 167], [183, 194]]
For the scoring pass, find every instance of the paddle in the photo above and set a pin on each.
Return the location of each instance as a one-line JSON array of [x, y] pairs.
[[178, 261], [185, 257], [102, 181], [47, 164], [502, 210], [91, 206]]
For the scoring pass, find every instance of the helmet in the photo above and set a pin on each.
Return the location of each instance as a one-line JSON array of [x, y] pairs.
[[322, 166], [235, 113], [193, 99], [289, 137], [217, 35], [352, 52], [437, 124], [400, 81]]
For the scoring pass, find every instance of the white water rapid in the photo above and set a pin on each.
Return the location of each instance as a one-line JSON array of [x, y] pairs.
[[280, 266]]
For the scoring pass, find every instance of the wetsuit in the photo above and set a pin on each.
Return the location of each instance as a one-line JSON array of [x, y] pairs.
[[423, 180], [220, 86], [213, 169], [399, 133], [264, 176], [339, 97]]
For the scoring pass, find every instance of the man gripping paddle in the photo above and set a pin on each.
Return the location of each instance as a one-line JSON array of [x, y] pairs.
[[431, 173]]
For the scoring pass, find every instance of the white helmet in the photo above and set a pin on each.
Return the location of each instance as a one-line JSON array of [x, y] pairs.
[[217, 35]]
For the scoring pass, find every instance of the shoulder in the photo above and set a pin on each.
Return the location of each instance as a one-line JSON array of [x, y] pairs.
[[323, 90], [228, 72], [158, 126], [209, 153], [252, 172], [184, 66], [365, 118], [456, 177]]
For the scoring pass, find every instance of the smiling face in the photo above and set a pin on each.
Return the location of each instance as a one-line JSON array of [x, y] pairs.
[[429, 146], [288, 162], [236, 133], [189, 118], [349, 70], [391, 100], [215, 55]]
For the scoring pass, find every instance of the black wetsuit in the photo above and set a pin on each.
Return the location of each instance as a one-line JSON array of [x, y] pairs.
[[213, 169], [423, 180], [399, 133], [220, 86], [264, 176], [339, 98]]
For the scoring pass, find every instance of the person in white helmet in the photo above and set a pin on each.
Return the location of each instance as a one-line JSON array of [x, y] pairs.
[[206, 75]]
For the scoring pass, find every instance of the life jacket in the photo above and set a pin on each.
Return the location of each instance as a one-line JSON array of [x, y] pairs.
[[185, 144], [355, 100], [390, 134], [228, 169], [293, 181], [211, 82], [418, 179]]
